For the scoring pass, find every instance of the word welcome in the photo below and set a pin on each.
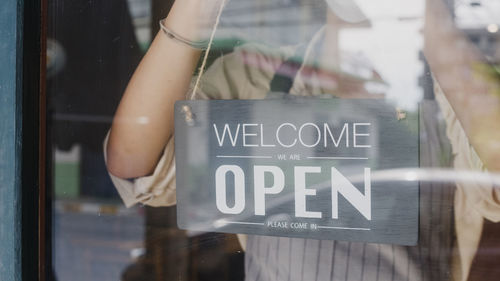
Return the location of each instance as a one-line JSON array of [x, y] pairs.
[[289, 135], [339, 184]]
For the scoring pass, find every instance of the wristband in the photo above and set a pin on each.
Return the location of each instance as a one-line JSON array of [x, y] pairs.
[[199, 45]]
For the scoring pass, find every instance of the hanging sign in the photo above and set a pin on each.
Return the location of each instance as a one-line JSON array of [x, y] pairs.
[[297, 167]]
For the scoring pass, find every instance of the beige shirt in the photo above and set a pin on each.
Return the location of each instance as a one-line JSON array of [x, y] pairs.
[[245, 74], [475, 200]]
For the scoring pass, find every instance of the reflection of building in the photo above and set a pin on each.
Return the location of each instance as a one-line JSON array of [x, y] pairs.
[[274, 22], [284, 22], [487, 42], [294, 22], [480, 21]]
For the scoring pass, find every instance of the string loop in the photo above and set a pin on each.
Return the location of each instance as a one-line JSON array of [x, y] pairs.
[[205, 57]]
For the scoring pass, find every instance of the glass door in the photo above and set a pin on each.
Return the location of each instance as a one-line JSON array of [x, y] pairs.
[[394, 104]]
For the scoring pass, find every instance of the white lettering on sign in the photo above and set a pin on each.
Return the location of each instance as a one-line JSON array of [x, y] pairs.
[[288, 135], [356, 135], [261, 190], [301, 135], [277, 224], [336, 142], [339, 185], [301, 191], [278, 134], [342, 185], [227, 129], [221, 186], [262, 138], [246, 134]]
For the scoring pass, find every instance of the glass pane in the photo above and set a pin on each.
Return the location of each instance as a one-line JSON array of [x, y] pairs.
[[403, 96]]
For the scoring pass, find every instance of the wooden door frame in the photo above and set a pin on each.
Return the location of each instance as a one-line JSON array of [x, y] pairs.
[[22, 134]]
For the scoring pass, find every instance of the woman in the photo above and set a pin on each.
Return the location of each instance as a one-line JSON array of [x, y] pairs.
[[140, 145]]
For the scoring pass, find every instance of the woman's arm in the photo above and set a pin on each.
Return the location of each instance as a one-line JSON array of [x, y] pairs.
[[144, 120]]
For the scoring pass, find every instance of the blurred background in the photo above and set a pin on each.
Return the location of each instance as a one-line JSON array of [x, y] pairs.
[[93, 49]]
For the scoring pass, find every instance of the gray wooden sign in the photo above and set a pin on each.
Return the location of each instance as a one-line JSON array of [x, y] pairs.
[[297, 167]]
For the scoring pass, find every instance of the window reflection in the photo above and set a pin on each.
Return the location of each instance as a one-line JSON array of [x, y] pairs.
[[436, 59]]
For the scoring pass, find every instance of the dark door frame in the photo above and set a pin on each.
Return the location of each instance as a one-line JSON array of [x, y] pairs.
[[23, 208]]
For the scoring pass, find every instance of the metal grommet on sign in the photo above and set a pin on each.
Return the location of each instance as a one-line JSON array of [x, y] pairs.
[[188, 115]]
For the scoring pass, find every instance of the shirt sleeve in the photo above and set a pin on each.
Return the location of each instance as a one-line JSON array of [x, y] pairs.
[[155, 190], [243, 74], [474, 200]]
